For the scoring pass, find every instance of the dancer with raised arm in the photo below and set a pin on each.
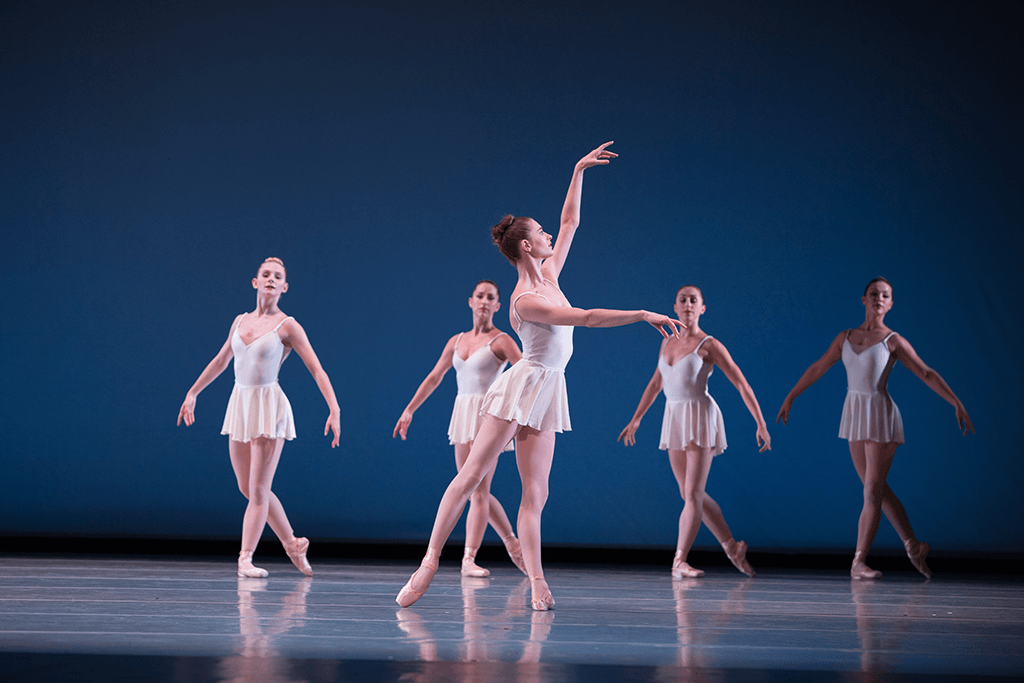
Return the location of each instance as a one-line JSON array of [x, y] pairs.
[[259, 417], [871, 421], [692, 430], [478, 357], [528, 402]]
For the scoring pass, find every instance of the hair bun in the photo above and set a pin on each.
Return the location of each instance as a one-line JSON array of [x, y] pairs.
[[499, 230]]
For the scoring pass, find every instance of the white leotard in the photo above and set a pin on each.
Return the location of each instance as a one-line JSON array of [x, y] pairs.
[[533, 391], [869, 414], [691, 415], [474, 376], [258, 406]]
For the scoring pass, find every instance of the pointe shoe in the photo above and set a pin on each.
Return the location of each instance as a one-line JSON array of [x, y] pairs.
[[540, 599], [471, 568], [408, 595], [860, 570], [917, 551], [515, 553], [246, 570], [738, 556], [296, 549], [680, 569]]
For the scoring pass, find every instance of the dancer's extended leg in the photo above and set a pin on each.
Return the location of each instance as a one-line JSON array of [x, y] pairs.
[[491, 438], [691, 468], [534, 454], [735, 550], [476, 518], [872, 461], [254, 463]]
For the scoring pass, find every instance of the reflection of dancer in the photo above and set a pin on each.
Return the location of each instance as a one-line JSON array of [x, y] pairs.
[[258, 657], [528, 402], [871, 421], [692, 430], [478, 357], [259, 417]]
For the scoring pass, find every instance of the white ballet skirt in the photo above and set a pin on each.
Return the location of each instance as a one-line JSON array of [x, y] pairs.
[[532, 392], [869, 414], [691, 415], [474, 376], [258, 406]]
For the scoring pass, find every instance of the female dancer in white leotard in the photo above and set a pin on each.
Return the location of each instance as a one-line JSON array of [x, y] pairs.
[[528, 402], [871, 421], [692, 430], [478, 357], [259, 417]]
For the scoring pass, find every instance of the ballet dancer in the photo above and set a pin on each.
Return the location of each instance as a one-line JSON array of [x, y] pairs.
[[259, 417], [871, 421], [528, 402], [478, 357], [692, 430]]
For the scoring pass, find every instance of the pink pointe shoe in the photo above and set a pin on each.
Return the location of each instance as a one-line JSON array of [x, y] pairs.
[[515, 553], [736, 551], [681, 570], [296, 549], [471, 568], [860, 570], [917, 551], [541, 599], [245, 568], [408, 595]]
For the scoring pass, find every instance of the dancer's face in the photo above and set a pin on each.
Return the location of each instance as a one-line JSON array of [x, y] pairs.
[[485, 299], [270, 279], [538, 244], [689, 305], [878, 299]]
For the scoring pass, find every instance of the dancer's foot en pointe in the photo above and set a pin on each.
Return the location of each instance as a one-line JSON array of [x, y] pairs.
[[917, 551], [736, 551], [860, 570], [419, 582], [471, 568], [245, 568], [296, 549], [515, 553], [540, 599], [681, 570]]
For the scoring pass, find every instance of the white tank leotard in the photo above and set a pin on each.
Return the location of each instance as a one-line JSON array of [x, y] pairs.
[[532, 392], [691, 415], [258, 406], [869, 414], [474, 376]]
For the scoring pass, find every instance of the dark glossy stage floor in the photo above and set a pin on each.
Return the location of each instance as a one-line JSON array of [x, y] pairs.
[[88, 618]]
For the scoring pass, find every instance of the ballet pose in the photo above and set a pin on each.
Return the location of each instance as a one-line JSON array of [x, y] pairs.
[[478, 357], [692, 430], [528, 402], [871, 421], [259, 417]]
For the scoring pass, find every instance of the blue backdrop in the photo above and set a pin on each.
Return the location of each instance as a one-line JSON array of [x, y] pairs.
[[779, 157]]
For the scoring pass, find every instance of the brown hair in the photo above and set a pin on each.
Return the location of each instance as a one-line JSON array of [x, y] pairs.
[[489, 282], [508, 233], [877, 279], [701, 291]]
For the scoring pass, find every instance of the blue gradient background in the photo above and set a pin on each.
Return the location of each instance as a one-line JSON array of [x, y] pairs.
[[779, 157]]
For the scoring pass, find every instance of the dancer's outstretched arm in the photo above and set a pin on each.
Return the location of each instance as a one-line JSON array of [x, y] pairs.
[[628, 435], [537, 309], [905, 354], [294, 336], [719, 355], [426, 388], [571, 209], [212, 371], [812, 375]]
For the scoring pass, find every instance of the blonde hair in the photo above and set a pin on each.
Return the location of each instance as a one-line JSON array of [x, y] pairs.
[[274, 259]]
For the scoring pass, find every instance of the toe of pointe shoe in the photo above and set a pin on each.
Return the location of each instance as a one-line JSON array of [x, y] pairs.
[[297, 554], [739, 558], [865, 573], [918, 556], [472, 569], [515, 553], [541, 600], [408, 595]]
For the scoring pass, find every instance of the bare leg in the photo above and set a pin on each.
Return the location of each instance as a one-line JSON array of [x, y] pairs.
[[476, 519], [735, 550], [534, 454], [491, 438], [691, 468], [872, 461], [254, 463]]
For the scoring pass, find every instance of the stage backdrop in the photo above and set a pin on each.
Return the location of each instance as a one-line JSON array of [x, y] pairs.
[[154, 153]]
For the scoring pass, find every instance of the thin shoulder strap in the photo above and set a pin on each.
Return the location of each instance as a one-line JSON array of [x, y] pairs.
[[887, 338], [457, 339], [706, 337], [491, 340], [282, 323], [515, 311], [848, 334]]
